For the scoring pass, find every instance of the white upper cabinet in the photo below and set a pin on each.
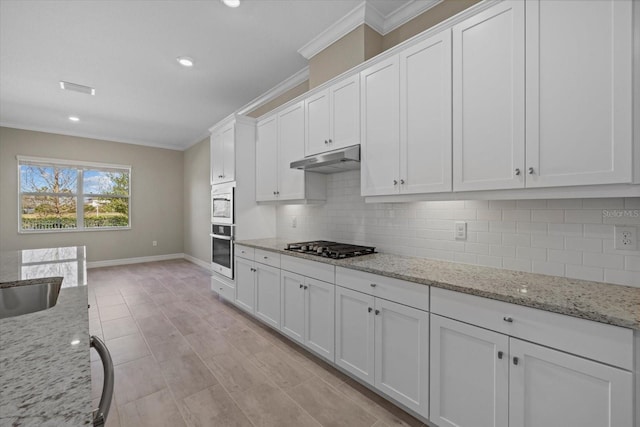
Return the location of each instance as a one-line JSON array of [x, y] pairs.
[[406, 121], [380, 120], [223, 154], [579, 92], [290, 149], [488, 99], [280, 141], [425, 116], [332, 117], [267, 159]]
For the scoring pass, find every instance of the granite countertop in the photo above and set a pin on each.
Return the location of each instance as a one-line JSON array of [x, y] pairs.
[[45, 368], [600, 302]]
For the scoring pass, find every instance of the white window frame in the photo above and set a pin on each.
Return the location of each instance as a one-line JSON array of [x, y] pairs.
[[81, 166]]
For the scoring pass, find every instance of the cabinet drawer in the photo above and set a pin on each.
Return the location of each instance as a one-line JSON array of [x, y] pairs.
[[267, 257], [586, 338], [305, 267], [224, 290], [244, 252], [400, 291]]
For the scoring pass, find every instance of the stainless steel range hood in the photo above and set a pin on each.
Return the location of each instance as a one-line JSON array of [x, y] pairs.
[[331, 162]]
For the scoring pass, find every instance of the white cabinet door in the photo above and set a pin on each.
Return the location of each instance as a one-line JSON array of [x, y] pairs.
[[317, 121], [268, 294], [217, 157], [345, 113], [579, 92], [425, 116], [245, 284], [319, 307], [402, 354], [228, 153], [488, 99], [354, 333], [292, 305], [291, 182], [469, 375], [380, 121], [549, 388], [267, 159]]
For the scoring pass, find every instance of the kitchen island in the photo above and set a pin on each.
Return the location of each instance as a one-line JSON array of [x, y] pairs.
[[45, 372]]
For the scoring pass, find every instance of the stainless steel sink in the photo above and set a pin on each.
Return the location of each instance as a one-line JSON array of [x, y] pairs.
[[28, 296]]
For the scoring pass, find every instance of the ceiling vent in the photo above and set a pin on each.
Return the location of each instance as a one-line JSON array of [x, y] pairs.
[[77, 88]]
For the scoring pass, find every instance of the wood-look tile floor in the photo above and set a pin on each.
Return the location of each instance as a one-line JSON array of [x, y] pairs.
[[184, 357]]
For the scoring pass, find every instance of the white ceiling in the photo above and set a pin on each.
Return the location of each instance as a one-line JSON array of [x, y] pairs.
[[127, 50]]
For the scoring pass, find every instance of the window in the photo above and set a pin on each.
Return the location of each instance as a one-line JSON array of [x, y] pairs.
[[60, 195]]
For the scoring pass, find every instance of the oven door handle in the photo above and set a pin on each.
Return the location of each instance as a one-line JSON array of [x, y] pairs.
[[220, 236]]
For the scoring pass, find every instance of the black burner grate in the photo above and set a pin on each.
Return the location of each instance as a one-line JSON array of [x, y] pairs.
[[330, 249]]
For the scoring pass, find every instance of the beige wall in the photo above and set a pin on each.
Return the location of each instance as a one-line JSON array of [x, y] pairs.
[[426, 20], [156, 195], [197, 193], [280, 100]]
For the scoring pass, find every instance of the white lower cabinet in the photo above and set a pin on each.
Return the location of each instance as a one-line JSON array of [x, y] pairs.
[[483, 378], [307, 312], [386, 345], [258, 290]]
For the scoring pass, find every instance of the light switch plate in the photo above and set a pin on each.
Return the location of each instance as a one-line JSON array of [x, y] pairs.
[[461, 230]]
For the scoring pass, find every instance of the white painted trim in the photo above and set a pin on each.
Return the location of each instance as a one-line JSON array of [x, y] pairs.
[[276, 91], [406, 13], [138, 260], [91, 136], [342, 27], [48, 161], [582, 192], [197, 261]]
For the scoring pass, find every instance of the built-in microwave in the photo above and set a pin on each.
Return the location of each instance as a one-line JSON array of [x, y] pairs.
[[222, 249], [222, 211]]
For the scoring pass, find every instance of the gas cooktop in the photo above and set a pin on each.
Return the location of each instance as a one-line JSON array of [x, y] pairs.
[[330, 249]]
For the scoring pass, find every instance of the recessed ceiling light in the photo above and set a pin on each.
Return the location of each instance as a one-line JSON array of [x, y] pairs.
[[77, 88], [185, 61], [231, 3], [74, 118]]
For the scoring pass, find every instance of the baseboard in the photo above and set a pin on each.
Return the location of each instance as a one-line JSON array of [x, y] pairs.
[[138, 260], [197, 261]]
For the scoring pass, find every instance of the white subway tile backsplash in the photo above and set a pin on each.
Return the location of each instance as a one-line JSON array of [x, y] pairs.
[[519, 215], [621, 277], [516, 264], [550, 268], [580, 244], [564, 237], [583, 216], [584, 273], [548, 215], [564, 257], [539, 254], [542, 241], [612, 261]]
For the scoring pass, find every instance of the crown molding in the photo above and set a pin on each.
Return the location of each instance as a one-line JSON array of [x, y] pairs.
[[365, 13], [406, 13], [288, 84]]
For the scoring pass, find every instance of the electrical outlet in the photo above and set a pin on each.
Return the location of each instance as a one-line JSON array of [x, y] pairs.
[[294, 222], [626, 238], [154, 243], [461, 230]]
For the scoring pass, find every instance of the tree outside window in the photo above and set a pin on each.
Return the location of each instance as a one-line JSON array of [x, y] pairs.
[[57, 196]]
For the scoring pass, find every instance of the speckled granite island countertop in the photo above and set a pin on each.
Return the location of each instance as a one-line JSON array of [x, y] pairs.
[[45, 372], [600, 302]]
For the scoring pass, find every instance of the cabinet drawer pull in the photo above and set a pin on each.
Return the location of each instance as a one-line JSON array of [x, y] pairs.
[[500, 354], [330, 141], [517, 171], [395, 182], [515, 360], [402, 181], [300, 285], [369, 309], [530, 171], [377, 312], [265, 257], [373, 285], [306, 287], [508, 319]]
